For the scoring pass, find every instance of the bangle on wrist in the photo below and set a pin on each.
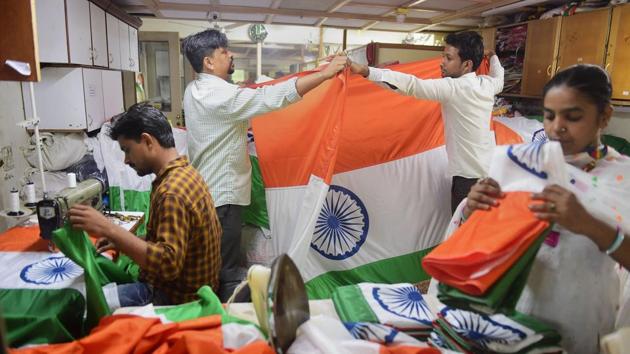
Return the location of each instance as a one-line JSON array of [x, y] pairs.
[[614, 246]]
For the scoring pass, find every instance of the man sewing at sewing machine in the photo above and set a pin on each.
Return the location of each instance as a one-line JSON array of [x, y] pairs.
[[181, 251]]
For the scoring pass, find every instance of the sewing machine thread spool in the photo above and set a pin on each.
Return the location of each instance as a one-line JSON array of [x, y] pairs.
[[31, 200], [14, 203], [72, 180]]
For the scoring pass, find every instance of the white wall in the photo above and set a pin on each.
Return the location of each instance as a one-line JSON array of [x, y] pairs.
[[11, 112]]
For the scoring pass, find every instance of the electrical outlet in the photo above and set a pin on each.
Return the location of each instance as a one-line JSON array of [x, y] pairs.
[[6, 158]]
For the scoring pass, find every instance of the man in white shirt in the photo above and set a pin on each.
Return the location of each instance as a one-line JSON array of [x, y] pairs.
[[467, 101], [217, 116]]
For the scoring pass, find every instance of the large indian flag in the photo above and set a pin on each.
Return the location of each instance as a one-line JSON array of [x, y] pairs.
[[44, 295], [356, 183]]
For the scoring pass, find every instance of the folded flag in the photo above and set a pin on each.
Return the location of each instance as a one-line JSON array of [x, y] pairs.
[[398, 305], [324, 335], [468, 331], [486, 246], [505, 292]]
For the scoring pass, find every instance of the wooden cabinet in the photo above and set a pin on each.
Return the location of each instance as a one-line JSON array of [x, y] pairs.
[[79, 34], [99, 36], [113, 42], [540, 55], [17, 40], [75, 98], [51, 31], [618, 53], [583, 38]]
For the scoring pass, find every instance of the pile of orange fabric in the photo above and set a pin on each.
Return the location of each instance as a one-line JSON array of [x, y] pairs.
[[486, 245], [121, 334]]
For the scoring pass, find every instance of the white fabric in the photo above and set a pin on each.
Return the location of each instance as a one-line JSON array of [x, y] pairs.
[[416, 214], [217, 117], [524, 126], [236, 335], [59, 150], [573, 286], [467, 104], [325, 335], [404, 313]]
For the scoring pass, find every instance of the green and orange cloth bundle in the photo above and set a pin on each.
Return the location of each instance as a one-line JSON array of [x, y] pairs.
[[482, 269]]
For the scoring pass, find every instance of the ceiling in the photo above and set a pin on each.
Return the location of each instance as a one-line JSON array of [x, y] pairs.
[[383, 15]]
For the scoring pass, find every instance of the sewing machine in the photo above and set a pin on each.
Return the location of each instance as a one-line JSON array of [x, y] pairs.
[[53, 212]]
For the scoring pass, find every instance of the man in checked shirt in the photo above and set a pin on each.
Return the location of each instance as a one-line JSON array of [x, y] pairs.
[[181, 251], [217, 117]]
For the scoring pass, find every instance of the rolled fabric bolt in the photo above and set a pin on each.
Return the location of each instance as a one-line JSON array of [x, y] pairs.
[[72, 180], [14, 203], [30, 193]]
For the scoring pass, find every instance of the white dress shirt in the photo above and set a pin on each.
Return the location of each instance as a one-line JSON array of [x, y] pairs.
[[217, 116], [467, 103]]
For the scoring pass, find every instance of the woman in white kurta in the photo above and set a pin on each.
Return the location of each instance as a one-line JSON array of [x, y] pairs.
[[574, 284]]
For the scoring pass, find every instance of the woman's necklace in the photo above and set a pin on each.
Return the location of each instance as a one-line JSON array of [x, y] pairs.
[[597, 154]]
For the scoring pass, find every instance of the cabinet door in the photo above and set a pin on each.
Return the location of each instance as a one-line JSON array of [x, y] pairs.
[[125, 58], [112, 93], [583, 38], [540, 55], [99, 36], [113, 42], [133, 49], [93, 92], [51, 31], [79, 37], [618, 56], [58, 98]]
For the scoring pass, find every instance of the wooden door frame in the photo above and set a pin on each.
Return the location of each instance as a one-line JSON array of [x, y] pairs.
[[173, 56]]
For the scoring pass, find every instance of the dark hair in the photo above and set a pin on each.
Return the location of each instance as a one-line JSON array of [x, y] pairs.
[[143, 118], [590, 80], [202, 44], [469, 45]]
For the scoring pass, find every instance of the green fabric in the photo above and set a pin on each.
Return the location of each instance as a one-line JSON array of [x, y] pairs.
[[620, 144], [402, 269], [208, 304], [134, 201], [42, 316], [98, 270], [256, 212], [128, 266], [504, 294], [351, 305]]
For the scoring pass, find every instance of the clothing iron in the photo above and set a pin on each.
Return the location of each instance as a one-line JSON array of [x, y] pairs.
[[53, 212], [280, 300]]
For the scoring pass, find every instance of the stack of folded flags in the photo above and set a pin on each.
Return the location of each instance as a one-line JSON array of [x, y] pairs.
[[399, 306], [482, 269]]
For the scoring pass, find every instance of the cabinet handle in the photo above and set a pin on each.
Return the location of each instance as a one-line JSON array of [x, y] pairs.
[[111, 57], [549, 70], [95, 54], [132, 63], [606, 68]]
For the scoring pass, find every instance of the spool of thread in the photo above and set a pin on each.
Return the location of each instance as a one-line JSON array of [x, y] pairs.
[[14, 203], [31, 200], [72, 180]]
